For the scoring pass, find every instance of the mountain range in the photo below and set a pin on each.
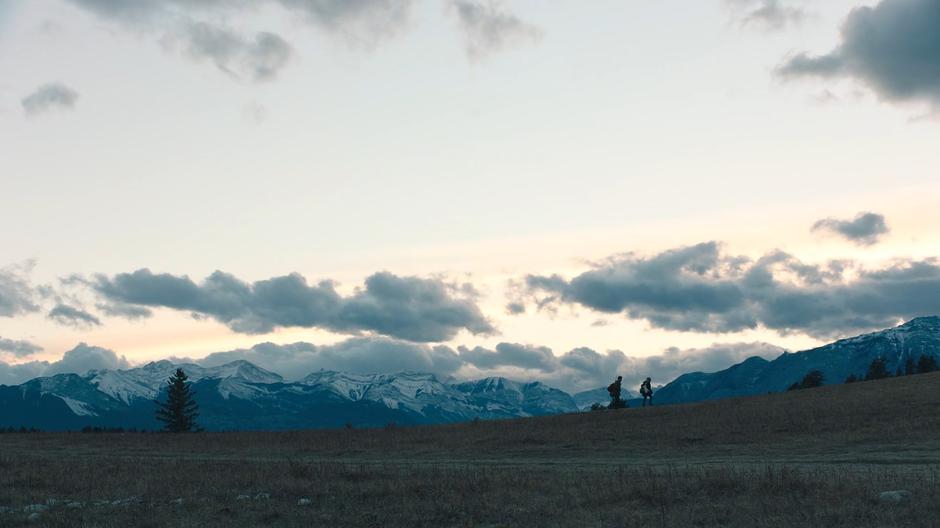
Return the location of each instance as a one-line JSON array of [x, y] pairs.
[[837, 361], [242, 396]]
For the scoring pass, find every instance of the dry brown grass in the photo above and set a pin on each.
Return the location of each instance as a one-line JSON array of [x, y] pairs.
[[809, 458]]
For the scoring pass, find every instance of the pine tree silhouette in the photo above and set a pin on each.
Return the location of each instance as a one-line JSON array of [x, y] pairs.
[[813, 379], [910, 367], [877, 370], [927, 364], [179, 412]]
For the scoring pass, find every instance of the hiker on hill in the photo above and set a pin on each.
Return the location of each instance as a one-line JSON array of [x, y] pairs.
[[646, 390], [614, 390]]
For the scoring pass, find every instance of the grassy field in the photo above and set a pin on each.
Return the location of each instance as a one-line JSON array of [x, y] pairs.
[[809, 458]]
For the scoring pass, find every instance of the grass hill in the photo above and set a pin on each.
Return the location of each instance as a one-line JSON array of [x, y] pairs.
[[817, 457]]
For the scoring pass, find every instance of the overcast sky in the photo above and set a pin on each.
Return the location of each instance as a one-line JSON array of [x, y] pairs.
[[487, 186]]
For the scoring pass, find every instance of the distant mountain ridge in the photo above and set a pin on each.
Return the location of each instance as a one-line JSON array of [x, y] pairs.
[[836, 361], [242, 396]]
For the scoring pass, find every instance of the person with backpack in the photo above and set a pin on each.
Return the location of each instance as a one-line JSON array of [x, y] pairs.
[[646, 390], [614, 390]]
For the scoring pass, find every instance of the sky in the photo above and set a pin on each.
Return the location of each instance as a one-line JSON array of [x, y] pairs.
[[561, 191]]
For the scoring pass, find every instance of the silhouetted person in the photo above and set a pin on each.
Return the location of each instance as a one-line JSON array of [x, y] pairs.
[[614, 390], [646, 390]]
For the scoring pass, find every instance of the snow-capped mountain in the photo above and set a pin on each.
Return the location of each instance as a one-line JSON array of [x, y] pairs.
[[836, 361], [500, 397], [147, 381], [240, 395]]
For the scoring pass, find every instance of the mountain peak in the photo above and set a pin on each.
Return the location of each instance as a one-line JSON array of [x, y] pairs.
[[243, 369], [930, 322]]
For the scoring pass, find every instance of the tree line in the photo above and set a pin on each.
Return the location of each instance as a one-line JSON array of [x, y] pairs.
[[878, 369]]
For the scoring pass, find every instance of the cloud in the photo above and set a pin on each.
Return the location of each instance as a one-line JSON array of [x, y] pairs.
[[254, 113], [361, 22], [17, 295], [583, 368], [198, 28], [891, 47], [79, 360], [698, 288], [85, 357], [18, 348], [510, 354], [767, 14], [71, 316], [409, 308], [126, 311], [488, 28], [593, 369], [578, 369], [360, 355], [21, 372], [49, 97], [865, 229], [257, 59]]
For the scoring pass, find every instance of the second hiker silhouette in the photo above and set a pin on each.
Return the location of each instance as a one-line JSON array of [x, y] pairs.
[[646, 390]]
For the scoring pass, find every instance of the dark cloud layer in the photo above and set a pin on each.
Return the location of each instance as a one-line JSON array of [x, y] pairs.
[[18, 348], [865, 229], [72, 316], [891, 47], [698, 288], [510, 355], [405, 307], [488, 28], [49, 97]]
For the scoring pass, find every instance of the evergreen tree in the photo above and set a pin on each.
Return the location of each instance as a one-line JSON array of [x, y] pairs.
[[852, 378], [910, 367], [179, 412], [877, 370], [812, 380], [927, 364]]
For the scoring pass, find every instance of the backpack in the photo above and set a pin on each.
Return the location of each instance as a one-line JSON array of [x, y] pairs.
[[612, 389]]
